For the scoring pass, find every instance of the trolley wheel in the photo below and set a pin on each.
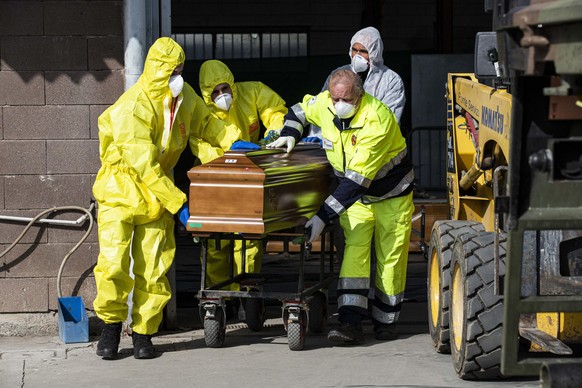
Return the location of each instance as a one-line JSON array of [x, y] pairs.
[[296, 329], [317, 312], [254, 313], [215, 329], [296, 332]]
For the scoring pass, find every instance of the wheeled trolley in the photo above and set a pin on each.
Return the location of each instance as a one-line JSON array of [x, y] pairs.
[[264, 194], [303, 309]]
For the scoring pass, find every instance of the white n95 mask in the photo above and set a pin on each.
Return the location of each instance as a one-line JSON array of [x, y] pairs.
[[176, 84], [224, 101], [344, 110], [359, 64]]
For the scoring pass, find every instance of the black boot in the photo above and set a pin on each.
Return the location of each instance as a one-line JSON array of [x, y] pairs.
[[142, 346], [347, 333], [109, 341], [385, 332]]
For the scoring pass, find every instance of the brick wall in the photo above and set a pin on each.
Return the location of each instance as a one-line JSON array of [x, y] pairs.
[[61, 65]]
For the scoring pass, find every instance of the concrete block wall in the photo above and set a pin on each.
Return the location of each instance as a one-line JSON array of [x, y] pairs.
[[61, 65]]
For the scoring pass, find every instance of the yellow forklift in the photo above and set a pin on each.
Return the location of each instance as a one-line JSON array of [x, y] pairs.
[[505, 270]]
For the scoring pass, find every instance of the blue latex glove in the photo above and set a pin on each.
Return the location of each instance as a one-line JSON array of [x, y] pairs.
[[311, 139], [184, 214], [244, 145]]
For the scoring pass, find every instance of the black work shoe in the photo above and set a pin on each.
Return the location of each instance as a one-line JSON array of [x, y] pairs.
[[347, 334], [108, 344], [385, 332], [142, 346]]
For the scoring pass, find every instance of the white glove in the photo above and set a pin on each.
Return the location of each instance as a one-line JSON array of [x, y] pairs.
[[283, 141], [316, 225], [272, 135]]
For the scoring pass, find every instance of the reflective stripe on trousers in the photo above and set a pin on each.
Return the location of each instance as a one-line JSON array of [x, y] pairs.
[[389, 222], [353, 292]]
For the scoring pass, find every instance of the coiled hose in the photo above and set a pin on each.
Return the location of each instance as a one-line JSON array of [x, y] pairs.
[[49, 211]]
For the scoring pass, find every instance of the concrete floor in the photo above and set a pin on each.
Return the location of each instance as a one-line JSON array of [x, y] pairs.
[[247, 359]]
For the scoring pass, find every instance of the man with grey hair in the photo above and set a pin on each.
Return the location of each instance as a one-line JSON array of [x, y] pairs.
[[368, 154]]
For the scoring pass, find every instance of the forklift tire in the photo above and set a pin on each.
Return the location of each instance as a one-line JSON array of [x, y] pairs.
[[438, 280], [476, 312]]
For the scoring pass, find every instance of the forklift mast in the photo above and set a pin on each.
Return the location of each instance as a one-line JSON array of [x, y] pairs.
[[540, 51]]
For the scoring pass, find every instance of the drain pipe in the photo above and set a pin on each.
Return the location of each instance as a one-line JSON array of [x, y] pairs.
[[79, 221], [134, 37]]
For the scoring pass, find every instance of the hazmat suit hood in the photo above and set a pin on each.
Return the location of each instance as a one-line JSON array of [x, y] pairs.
[[143, 134], [163, 57], [212, 73], [370, 38], [381, 82]]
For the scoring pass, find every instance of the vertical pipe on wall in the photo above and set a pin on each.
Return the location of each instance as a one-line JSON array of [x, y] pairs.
[[134, 39], [144, 22]]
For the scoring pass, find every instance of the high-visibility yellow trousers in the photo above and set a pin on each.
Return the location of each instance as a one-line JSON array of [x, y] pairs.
[[389, 222]]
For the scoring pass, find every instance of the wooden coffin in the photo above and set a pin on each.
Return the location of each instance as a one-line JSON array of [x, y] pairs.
[[258, 192]]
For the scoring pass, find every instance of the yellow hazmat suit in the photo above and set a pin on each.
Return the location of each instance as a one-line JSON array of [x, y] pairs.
[[251, 101], [141, 138]]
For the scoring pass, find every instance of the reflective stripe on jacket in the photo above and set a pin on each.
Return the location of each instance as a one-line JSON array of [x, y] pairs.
[[369, 157]]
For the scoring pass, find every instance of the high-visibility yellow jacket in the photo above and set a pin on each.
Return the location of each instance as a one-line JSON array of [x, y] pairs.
[[141, 140], [367, 152]]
